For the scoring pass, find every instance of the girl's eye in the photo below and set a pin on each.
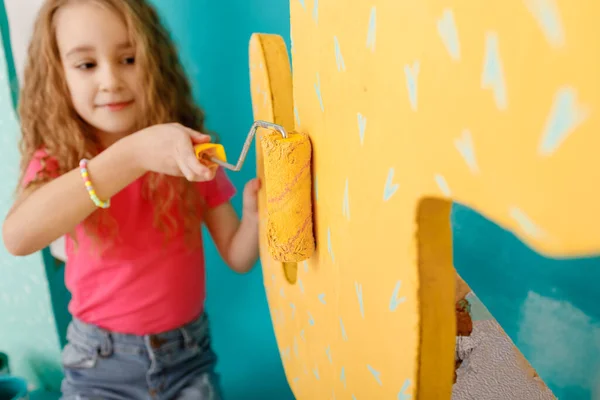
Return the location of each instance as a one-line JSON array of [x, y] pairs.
[[87, 65], [129, 60]]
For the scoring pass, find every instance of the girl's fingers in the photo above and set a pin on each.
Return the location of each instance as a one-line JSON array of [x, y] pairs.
[[198, 169], [185, 170], [189, 164]]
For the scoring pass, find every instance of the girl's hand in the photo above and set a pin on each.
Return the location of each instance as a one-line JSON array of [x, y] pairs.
[[250, 199], [169, 149]]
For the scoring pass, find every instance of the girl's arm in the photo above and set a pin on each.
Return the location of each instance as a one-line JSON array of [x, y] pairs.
[[44, 213], [236, 241]]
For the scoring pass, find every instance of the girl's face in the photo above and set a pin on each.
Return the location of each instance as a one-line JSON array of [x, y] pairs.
[[99, 65]]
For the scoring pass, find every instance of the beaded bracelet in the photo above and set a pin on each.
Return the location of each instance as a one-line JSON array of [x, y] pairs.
[[88, 185]]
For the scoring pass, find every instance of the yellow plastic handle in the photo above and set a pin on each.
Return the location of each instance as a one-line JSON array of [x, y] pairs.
[[211, 150]]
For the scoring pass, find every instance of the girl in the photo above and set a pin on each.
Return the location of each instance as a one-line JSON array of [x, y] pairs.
[[104, 83]]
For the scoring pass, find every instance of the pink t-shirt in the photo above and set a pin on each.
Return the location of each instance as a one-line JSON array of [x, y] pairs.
[[143, 284]]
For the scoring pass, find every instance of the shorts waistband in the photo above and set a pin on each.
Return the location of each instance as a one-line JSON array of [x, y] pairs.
[[106, 341]]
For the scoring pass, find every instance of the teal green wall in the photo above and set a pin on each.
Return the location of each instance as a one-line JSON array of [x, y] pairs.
[[27, 325], [55, 273]]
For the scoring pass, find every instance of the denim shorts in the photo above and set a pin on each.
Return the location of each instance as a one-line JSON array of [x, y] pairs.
[[177, 365]]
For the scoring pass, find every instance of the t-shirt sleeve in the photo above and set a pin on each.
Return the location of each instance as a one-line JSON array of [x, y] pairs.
[[41, 166], [217, 191]]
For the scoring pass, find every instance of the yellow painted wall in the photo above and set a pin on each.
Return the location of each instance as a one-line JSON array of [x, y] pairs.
[[410, 104]]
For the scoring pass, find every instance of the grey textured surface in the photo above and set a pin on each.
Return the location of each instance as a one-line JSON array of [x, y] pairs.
[[492, 369]]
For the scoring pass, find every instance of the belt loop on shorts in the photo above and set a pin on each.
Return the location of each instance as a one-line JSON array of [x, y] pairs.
[[106, 344], [188, 340]]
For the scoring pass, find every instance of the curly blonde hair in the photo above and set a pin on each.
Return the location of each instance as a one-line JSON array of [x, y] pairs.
[[49, 120]]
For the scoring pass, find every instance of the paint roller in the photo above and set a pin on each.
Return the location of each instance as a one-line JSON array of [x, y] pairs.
[[288, 187]]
